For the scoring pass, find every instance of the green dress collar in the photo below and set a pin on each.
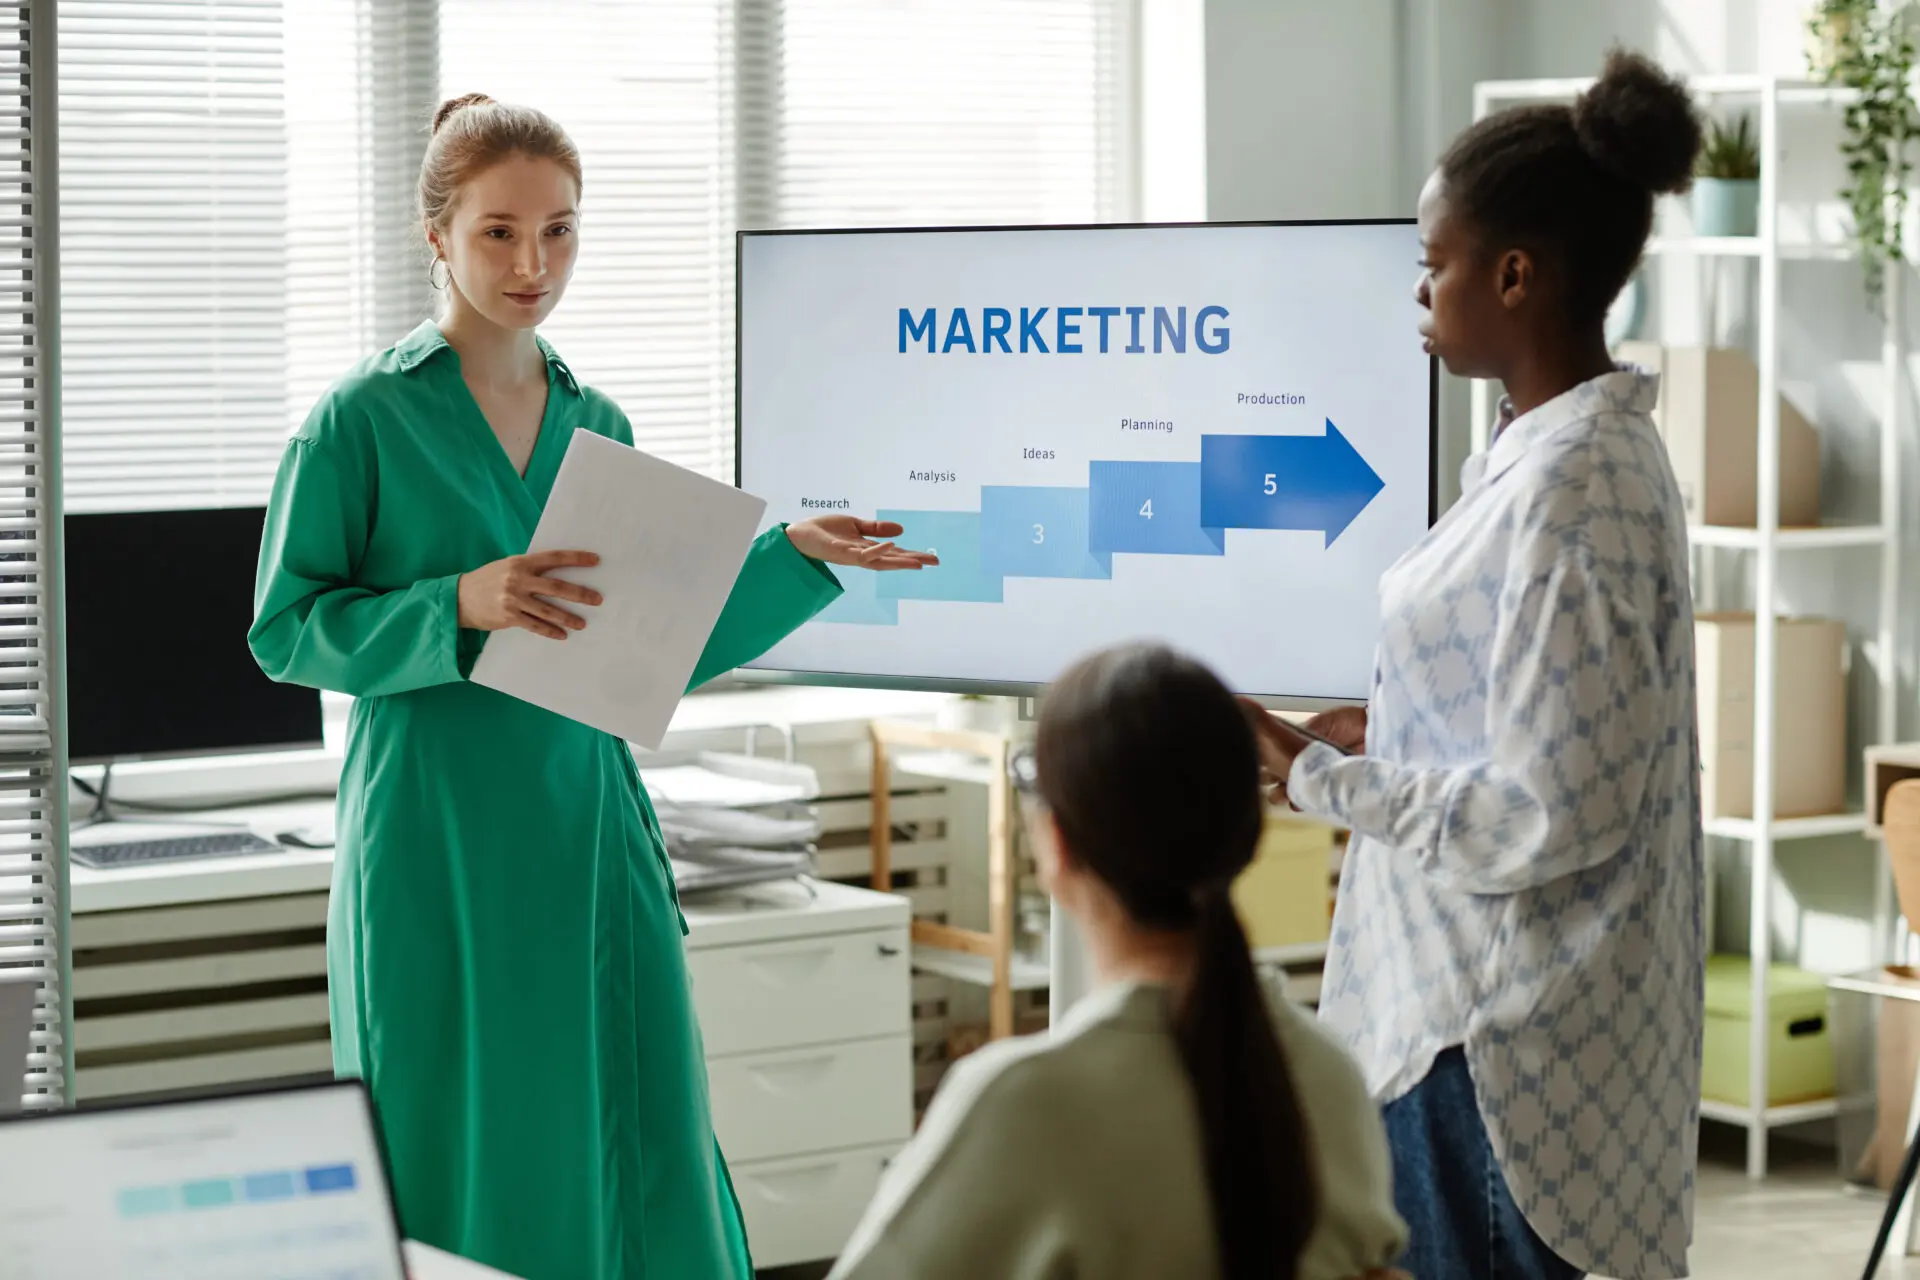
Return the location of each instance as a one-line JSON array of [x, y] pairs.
[[426, 341]]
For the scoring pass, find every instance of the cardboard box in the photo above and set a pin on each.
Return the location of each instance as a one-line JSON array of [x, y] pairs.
[[1709, 416], [1282, 895], [1810, 715]]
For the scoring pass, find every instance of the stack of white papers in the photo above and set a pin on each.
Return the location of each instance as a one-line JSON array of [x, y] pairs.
[[734, 820], [693, 786], [715, 827], [671, 543]]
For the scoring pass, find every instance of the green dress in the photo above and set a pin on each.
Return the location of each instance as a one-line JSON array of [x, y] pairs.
[[504, 955]]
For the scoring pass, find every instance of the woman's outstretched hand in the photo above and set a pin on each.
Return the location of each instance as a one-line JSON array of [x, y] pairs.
[[851, 541], [516, 592]]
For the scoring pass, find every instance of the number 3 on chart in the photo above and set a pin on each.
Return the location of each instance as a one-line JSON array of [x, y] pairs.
[[1039, 534], [1146, 509]]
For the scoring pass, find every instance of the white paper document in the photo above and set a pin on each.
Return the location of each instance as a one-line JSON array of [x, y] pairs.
[[18, 994], [671, 543]]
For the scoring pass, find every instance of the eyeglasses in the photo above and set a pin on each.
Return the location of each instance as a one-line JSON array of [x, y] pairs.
[[1022, 771]]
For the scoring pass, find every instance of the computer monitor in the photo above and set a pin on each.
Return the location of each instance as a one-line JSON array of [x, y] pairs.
[[283, 1183], [158, 607], [1218, 436]]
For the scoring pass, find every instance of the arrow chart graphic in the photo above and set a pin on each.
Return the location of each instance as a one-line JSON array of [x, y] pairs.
[[1316, 483]]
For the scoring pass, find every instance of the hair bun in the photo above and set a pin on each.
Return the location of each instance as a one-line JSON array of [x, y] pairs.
[[1640, 124], [452, 105]]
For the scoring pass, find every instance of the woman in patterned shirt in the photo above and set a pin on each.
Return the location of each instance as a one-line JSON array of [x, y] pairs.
[[1517, 952]]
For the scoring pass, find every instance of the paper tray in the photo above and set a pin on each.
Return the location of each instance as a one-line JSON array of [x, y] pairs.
[[706, 827], [732, 868], [718, 779]]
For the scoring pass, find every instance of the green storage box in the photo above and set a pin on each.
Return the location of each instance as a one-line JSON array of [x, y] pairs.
[[1799, 1049]]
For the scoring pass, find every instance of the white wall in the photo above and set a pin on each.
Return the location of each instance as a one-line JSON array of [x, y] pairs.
[[1323, 109], [1302, 109], [1317, 109], [1173, 111]]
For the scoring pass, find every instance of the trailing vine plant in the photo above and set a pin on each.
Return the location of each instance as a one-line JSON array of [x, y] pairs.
[[1870, 50]]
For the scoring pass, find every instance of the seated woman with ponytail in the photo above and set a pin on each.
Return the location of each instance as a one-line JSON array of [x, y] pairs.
[[1181, 1121]]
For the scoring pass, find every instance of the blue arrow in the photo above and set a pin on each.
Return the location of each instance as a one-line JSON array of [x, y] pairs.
[[1284, 482]]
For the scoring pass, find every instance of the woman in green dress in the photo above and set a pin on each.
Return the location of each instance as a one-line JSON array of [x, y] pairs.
[[504, 952]]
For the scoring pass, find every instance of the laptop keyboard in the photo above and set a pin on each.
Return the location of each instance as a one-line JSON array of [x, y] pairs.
[[223, 844]]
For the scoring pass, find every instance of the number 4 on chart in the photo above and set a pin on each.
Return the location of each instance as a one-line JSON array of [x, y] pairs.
[[1146, 509]]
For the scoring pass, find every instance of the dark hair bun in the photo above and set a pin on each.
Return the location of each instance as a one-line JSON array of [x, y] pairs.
[[1640, 124], [452, 105]]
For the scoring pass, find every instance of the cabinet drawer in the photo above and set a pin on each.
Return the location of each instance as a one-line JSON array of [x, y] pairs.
[[804, 1210], [777, 995], [768, 1105]]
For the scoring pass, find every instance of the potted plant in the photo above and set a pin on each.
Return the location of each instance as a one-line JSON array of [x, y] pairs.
[[1874, 57], [975, 712], [1726, 185], [1828, 29]]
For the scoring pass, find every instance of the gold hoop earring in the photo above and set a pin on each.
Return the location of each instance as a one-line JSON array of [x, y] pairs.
[[439, 282]]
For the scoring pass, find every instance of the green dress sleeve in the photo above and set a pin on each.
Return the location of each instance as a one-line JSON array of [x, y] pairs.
[[312, 624], [776, 591]]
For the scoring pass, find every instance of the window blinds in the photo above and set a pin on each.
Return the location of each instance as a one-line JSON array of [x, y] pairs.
[[32, 773], [361, 81], [939, 112], [327, 237], [237, 203], [174, 250], [641, 89], [694, 117], [240, 177]]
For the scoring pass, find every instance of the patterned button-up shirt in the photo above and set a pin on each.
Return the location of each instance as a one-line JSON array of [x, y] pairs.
[[1525, 877]]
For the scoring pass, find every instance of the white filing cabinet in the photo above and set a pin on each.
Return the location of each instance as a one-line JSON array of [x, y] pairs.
[[805, 1005]]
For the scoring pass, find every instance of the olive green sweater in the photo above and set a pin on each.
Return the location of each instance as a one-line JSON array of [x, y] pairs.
[[1077, 1154]]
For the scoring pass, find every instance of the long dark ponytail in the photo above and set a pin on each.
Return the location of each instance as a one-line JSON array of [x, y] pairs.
[[1150, 770]]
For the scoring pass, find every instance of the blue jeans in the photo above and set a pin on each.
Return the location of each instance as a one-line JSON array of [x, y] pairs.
[[1462, 1222]]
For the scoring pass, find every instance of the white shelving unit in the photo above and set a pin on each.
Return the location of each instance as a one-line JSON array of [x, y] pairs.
[[1767, 97], [977, 971]]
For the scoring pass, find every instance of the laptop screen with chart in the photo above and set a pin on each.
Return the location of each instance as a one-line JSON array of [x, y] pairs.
[[283, 1185], [1218, 436]]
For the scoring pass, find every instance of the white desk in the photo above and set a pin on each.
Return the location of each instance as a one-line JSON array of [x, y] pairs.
[[213, 972], [805, 1006], [165, 884], [427, 1263], [295, 871]]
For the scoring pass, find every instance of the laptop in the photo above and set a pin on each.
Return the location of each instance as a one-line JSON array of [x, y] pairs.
[[285, 1183]]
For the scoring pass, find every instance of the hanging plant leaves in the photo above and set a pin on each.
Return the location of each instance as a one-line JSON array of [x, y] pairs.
[[1872, 53]]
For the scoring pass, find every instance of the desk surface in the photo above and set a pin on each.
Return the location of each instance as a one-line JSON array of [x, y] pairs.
[[165, 884], [427, 1263], [311, 870], [795, 705]]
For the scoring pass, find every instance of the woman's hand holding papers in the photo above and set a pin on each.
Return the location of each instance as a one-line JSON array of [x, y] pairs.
[[516, 592]]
